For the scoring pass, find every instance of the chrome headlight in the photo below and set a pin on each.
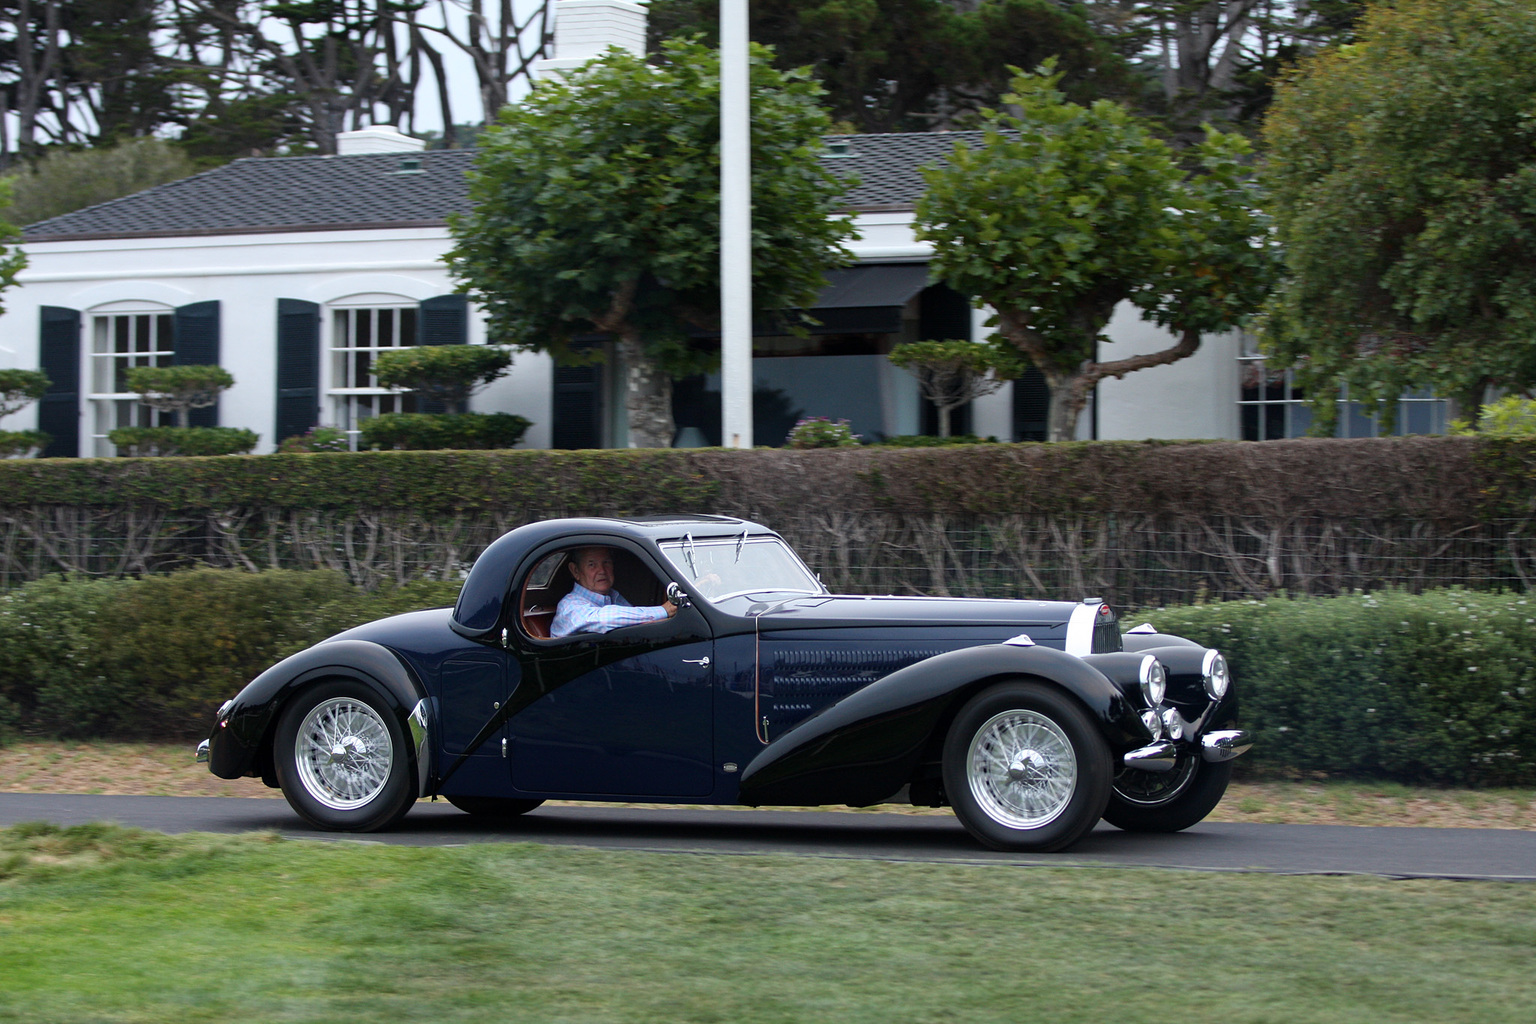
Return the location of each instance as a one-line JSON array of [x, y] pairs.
[[1214, 672], [1154, 681], [1153, 723], [1173, 722]]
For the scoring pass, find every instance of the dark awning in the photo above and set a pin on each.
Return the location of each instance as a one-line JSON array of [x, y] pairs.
[[867, 299]]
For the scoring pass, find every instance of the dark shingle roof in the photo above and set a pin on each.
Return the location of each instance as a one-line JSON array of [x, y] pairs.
[[888, 166], [330, 193]]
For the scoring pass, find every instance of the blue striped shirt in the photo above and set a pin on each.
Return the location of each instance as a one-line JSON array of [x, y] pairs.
[[584, 611]]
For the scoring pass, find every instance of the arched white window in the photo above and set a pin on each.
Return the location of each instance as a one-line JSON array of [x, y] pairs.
[[123, 335]]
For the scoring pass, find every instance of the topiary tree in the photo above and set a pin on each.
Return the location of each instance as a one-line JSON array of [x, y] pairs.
[[951, 373], [445, 373], [596, 209], [179, 389], [19, 389], [1065, 211]]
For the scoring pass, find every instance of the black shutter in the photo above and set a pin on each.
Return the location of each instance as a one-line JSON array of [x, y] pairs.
[[196, 343], [58, 413], [577, 407], [298, 367], [443, 320], [1031, 406]]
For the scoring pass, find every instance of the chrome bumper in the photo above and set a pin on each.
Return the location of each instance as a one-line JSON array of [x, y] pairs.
[[1215, 747], [1224, 745]]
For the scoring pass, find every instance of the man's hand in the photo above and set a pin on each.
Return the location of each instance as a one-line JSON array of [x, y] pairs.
[[670, 608]]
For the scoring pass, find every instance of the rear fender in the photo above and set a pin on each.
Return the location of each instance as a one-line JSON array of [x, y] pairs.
[[864, 748], [240, 743]]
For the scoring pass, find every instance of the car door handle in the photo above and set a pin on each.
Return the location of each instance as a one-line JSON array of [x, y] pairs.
[[697, 661]]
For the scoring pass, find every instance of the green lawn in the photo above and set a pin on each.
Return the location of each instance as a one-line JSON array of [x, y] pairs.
[[103, 924]]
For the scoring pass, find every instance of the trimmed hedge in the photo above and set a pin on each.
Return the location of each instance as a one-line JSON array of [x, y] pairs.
[[1447, 480], [153, 658], [1437, 687]]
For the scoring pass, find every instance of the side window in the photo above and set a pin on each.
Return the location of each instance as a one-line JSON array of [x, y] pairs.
[[552, 578]]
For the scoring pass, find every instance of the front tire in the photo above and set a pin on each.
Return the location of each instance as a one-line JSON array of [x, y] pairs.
[[1168, 801], [341, 760], [1026, 768]]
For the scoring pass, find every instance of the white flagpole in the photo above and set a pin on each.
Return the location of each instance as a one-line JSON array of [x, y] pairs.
[[735, 228]]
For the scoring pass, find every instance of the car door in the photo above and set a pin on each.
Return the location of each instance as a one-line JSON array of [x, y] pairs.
[[624, 713]]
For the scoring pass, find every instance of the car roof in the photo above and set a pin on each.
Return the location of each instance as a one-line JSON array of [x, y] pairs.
[[478, 611]]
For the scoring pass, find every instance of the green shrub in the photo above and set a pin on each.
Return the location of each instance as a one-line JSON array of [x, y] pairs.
[[1510, 416], [53, 673], [316, 439], [15, 443], [143, 442], [152, 658], [1437, 688], [423, 431], [820, 432]]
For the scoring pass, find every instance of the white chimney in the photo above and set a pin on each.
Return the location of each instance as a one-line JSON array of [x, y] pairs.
[[380, 138], [585, 29]]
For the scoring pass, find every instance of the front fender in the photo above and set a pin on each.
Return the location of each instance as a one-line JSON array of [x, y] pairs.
[[242, 734], [864, 748]]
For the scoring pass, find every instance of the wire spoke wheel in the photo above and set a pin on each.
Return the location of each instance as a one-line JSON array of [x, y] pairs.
[[1022, 769], [343, 753], [341, 758], [1025, 767]]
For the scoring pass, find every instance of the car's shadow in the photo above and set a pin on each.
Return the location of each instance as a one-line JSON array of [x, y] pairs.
[[721, 830]]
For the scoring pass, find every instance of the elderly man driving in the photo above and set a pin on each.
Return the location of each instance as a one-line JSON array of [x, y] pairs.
[[593, 606]]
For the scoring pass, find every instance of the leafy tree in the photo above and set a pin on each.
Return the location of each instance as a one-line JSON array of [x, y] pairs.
[[1066, 211], [20, 388], [1404, 193], [915, 65], [952, 373], [596, 209], [446, 373], [63, 180], [12, 259], [179, 389]]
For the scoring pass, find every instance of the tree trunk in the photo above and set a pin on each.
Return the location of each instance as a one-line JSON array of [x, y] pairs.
[[1068, 396], [647, 395]]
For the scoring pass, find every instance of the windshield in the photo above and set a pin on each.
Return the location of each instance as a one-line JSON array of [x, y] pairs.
[[725, 567]]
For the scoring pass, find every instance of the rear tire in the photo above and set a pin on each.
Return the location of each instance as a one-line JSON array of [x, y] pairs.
[[1168, 801], [340, 756], [1026, 768], [493, 807]]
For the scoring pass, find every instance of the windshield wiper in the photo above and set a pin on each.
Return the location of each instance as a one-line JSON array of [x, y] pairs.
[[688, 554], [739, 542]]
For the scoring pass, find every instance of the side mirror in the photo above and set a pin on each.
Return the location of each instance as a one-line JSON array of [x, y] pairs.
[[678, 596]]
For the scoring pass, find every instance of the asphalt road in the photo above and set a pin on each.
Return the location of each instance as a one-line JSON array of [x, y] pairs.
[[1494, 854]]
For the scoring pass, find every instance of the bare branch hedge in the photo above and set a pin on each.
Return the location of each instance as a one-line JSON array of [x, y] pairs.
[[1146, 523]]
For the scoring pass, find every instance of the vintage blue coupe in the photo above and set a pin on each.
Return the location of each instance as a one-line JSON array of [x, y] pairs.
[[1032, 719]]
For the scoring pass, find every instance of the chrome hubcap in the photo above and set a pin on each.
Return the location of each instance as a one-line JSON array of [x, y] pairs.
[[343, 753], [1022, 769]]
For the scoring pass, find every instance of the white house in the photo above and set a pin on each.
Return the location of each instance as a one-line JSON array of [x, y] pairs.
[[294, 272]]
